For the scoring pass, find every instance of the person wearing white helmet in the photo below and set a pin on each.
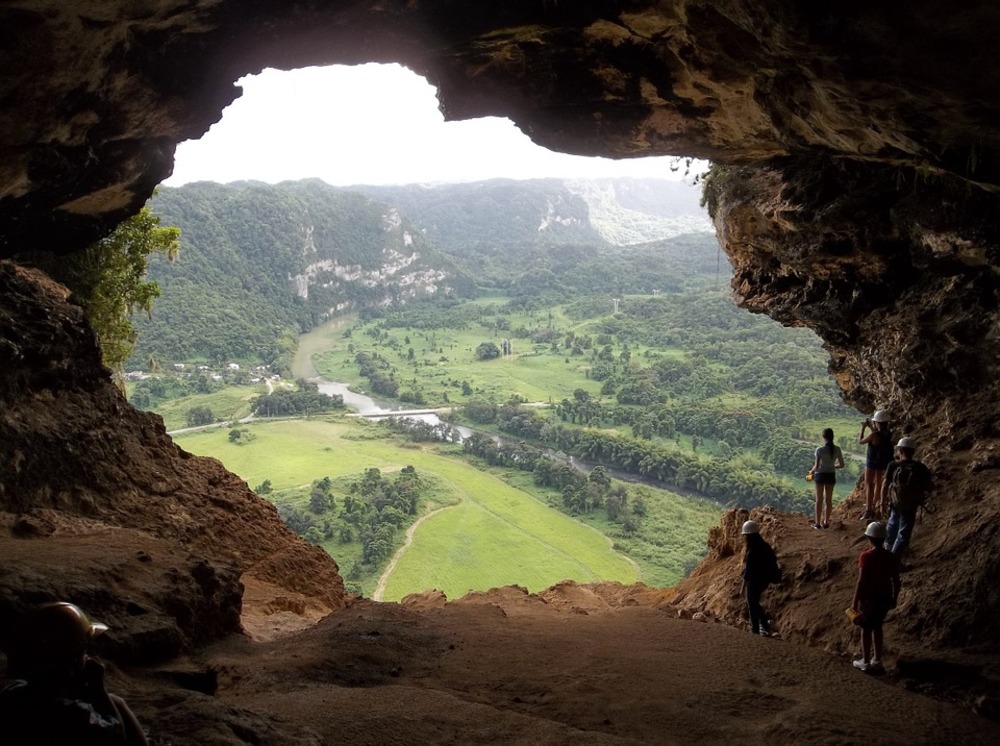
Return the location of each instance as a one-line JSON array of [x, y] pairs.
[[877, 458], [905, 488], [875, 594], [57, 694], [760, 569]]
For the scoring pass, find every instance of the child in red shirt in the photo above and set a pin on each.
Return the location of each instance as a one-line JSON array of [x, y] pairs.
[[874, 595]]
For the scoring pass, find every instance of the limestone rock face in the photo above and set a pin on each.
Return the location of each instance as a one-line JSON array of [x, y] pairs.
[[860, 199]]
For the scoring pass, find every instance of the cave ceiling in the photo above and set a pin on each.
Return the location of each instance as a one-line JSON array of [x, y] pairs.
[[96, 94]]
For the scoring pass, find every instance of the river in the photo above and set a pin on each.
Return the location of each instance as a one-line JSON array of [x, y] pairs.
[[318, 341]]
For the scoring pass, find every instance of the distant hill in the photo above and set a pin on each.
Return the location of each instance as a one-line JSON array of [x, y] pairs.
[[500, 213], [636, 211], [262, 263]]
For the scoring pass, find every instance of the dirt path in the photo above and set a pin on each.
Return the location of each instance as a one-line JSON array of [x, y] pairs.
[[380, 588]]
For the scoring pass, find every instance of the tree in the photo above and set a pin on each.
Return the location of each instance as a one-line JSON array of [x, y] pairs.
[[199, 416], [264, 488], [487, 351], [107, 280]]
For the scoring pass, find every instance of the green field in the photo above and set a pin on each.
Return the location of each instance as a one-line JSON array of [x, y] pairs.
[[494, 534], [444, 358], [231, 403]]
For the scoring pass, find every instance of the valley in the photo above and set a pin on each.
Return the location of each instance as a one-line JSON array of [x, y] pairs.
[[587, 366]]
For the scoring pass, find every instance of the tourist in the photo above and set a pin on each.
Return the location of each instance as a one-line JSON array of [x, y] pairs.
[[905, 488], [760, 569], [57, 694], [877, 458], [875, 594], [829, 458]]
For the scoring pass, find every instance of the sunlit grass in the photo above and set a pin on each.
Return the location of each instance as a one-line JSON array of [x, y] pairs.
[[495, 535]]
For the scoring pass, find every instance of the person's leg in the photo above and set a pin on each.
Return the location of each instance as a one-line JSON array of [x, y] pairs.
[[877, 644], [866, 644], [819, 505], [870, 493], [902, 539], [829, 504], [891, 529], [878, 504], [765, 623], [753, 608]]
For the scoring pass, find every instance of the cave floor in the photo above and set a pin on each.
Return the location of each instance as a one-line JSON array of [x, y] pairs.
[[510, 669]]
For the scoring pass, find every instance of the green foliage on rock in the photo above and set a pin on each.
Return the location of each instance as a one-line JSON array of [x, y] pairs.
[[108, 279]]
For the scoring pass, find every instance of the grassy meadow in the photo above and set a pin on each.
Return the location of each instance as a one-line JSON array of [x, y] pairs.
[[489, 533], [444, 358], [231, 403]]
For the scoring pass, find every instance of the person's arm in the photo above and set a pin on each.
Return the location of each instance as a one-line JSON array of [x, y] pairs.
[[856, 601], [861, 436], [840, 459], [134, 735], [815, 463]]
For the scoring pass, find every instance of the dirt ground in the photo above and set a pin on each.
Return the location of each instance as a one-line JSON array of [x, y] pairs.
[[597, 664], [506, 667]]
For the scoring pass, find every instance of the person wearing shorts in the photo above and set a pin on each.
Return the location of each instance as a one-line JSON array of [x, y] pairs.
[[829, 458], [875, 594], [879, 454]]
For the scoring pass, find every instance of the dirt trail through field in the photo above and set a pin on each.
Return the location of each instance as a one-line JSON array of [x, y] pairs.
[[380, 588]]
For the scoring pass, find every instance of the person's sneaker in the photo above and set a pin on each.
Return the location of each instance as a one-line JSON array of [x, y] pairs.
[[876, 666], [766, 633], [860, 664]]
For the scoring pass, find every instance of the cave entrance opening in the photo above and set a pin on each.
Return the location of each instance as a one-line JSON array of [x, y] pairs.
[[377, 124]]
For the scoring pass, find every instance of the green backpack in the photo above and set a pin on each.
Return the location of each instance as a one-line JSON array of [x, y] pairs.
[[909, 486]]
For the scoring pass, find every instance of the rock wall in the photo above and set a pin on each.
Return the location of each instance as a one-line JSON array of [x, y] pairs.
[[84, 471]]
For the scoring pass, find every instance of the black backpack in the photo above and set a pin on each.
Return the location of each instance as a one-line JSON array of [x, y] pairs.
[[909, 485]]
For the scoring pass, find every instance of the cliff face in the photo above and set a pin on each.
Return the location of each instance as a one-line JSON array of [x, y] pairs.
[[861, 201], [100, 506]]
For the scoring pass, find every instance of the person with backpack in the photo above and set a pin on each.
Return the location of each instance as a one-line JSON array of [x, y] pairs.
[[760, 569], [905, 488], [57, 694], [875, 594], [877, 459], [829, 458]]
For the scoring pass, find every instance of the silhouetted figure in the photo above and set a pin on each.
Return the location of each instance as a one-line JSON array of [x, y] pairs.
[[57, 695], [760, 569]]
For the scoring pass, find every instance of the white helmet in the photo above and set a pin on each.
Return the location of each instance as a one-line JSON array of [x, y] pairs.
[[906, 443], [750, 527], [880, 416], [875, 530]]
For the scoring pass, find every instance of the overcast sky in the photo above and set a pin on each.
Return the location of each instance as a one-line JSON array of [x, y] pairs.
[[371, 124]]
